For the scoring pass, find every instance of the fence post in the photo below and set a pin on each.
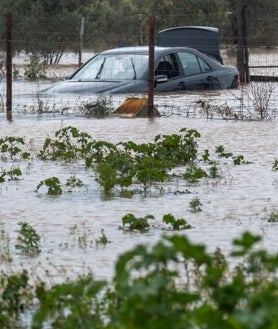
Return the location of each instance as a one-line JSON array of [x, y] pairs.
[[151, 66], [9, 66], [81, 41], [140, 17], [245, 45]]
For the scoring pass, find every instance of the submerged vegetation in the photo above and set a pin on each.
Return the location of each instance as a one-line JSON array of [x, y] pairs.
[[170, 283]]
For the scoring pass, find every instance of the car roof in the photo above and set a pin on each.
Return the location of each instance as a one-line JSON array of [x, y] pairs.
[[144, 50]]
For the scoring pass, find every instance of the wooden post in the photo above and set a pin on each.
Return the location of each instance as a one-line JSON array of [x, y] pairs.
[[81, 41], [245, 45], [9, 66], [151, 66], [140, 17], [239, 25]]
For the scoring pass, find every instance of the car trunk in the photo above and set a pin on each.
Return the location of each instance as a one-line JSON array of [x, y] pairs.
[[202, 38]]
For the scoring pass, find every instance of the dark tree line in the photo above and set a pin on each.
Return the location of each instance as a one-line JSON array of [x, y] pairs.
[[50, 27]]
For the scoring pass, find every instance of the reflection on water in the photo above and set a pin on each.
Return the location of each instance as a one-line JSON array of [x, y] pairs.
[[239, 201]]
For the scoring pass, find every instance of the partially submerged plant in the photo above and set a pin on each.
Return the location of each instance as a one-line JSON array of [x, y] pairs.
[[254, 103], [136, 223], [69, 144], [260, 94], [70, 304], [149, 171], [275, 165], [214, 171], [221, 152], [169, 281], [15, 298], [53, 186], [35, 68], [239, 160], [5, 251], [28, 240], [73, 181], [80, 236], [273, 217], [195, 205], [176, 224], [102, 239], [102, 107], [193, 174], [13, 147], [11, 174]]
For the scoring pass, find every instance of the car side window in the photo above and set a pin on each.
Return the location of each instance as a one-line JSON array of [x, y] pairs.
[[189, 63], [167, 66], [204, 65]]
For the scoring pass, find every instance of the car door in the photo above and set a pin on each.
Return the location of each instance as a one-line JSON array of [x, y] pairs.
[[169, 67], [198, 74]]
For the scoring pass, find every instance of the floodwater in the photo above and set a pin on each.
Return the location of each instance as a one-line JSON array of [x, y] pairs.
[[70, 224]]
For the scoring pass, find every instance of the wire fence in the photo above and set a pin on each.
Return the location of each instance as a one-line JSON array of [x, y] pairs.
[[63, 44], [52, 38]]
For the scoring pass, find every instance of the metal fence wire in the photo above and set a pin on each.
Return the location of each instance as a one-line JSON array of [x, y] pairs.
[[52, 37], [71, 40]]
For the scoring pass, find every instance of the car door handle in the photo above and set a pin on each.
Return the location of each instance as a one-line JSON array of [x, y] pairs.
[[210, 78], [182, 85]]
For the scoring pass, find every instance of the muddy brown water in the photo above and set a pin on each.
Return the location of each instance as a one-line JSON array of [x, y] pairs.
[[241, 200]]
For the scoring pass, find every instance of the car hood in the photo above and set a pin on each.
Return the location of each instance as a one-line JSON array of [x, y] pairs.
[[95, 87]]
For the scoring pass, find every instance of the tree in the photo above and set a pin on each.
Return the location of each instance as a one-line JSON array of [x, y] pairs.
[[239, 20]]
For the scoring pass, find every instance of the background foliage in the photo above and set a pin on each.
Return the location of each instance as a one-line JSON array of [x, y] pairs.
[[50, 27]]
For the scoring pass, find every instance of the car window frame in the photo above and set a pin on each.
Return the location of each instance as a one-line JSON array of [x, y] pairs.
[[172, 58], [197, 60]]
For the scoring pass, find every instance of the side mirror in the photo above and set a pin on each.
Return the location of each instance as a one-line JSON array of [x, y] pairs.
[[160, 79]]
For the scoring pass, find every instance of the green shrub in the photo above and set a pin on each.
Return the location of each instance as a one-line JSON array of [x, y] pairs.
[[28, 240]]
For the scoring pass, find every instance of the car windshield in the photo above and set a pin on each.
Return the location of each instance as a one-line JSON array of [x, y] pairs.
[[114, 67]]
